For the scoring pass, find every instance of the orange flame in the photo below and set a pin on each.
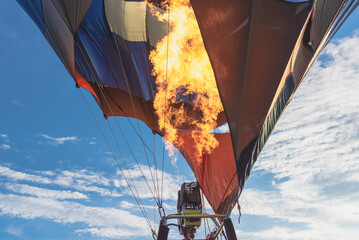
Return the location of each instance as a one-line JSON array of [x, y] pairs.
[[187, 95]]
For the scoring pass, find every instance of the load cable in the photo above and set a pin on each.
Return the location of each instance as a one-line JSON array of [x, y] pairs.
[[134, 110], [124, 137], [133, 105], [140, 205], [124, 162], [164, 119], [108, 105]]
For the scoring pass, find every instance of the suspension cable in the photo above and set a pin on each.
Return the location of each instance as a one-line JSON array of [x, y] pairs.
[[124, 161], [134, 110], [108, 105], [141, 206], [124, 137], [164, 119]]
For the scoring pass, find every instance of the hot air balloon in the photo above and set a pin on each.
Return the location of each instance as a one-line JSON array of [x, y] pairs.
[[258, 52]]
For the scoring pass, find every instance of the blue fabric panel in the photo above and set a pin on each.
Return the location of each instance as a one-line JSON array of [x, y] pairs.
[[140, 52], [34, 10], [106, 59], [129, 66], [96, 52]]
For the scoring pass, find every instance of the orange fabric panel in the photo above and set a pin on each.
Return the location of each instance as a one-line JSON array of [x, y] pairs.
[[80, 80]]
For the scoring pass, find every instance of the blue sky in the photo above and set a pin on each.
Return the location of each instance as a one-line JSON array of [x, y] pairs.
[[58, 179]]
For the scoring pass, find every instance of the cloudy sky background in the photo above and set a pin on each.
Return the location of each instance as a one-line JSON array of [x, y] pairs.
[[58, 179]]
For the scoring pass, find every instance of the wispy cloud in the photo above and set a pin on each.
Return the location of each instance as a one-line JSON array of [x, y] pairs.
[[170, 182], [117, 233], [71, 212], [17, 103], [13, 230], [57, 199], [3, 135], [59, 140], [130, 205], [313, 155], [4, 138], [44, 193], [80, 180], [5, 146], [61, 205], [20, 176]]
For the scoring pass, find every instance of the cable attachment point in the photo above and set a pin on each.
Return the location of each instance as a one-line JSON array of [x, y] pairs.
[[77, 85], [161, 211], [154, 234], [239, 212]]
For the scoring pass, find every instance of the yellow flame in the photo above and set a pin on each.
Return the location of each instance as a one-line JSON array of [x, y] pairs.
[[182, 69]]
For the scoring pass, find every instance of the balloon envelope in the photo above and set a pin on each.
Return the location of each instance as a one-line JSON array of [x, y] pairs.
[[260, 51]]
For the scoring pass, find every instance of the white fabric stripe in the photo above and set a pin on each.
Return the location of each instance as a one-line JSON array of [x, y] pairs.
[[130, 19], [156, 30], [127, 19]]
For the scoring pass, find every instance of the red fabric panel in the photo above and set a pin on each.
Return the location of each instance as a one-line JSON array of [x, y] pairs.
[[216, 173], [117, 102]]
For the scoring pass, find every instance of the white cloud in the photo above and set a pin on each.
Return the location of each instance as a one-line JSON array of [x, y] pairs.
[[170, 182], [18, 176], [5, 146], [113, 232], [71, 212], [172, 152], [313, 155], [60, 140], [82, 177], [44, 193], [126, 205], [13, 230], [84, 180], [222, 129], [129, 205], [101, 191], [3, 135], [80, 180], [31, 202], [46, 173]]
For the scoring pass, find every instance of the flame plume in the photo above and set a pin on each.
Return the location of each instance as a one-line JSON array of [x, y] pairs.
[[187, 94]]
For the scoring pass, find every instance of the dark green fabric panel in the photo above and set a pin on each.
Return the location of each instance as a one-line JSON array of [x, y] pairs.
[[250, 154]]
